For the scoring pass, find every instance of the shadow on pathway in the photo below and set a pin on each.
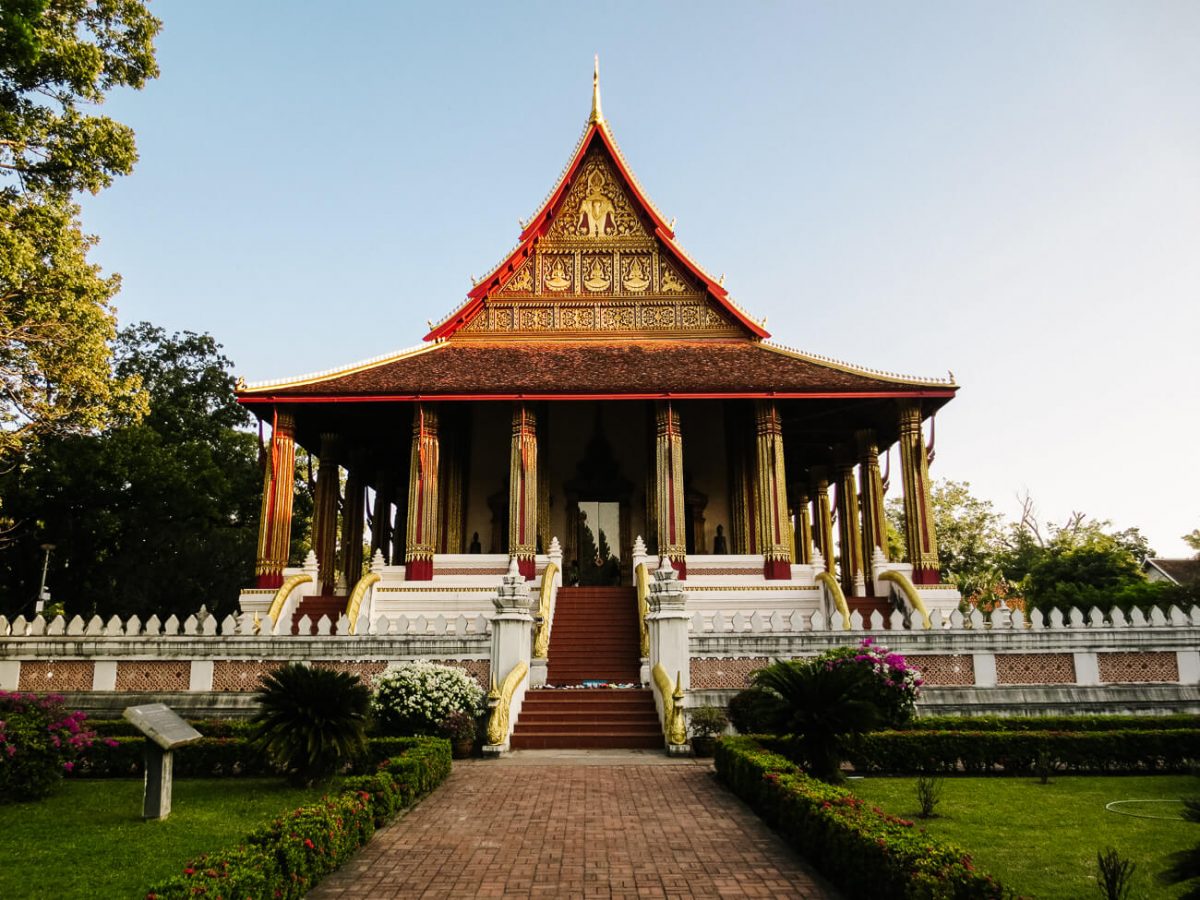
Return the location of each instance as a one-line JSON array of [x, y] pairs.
[[576, 825]]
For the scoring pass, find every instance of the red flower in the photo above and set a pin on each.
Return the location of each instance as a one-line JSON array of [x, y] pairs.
[[189, 871], [308, 843]]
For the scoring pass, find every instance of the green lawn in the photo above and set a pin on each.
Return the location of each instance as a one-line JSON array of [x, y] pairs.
[[89, 840], [1042, 840]]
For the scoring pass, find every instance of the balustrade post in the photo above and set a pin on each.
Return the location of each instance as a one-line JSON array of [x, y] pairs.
[[670, 655], [512, 627]]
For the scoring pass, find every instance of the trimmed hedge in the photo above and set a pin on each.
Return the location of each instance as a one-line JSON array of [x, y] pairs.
[[214, 757], [1016, 752], [287, 857], [211, 728], [862, 850], [1052, 723]]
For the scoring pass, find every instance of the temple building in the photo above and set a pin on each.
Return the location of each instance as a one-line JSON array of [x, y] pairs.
[[598, 391]]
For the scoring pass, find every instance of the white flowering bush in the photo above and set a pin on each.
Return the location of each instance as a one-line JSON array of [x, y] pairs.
[[415, 698]]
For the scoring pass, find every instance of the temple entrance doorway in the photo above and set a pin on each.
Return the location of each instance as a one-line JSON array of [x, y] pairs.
[[600, 542]]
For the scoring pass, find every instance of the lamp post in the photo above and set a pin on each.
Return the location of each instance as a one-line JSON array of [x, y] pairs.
[[42, 597]]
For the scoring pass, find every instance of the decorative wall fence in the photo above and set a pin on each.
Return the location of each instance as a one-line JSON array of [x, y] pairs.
[[1074, 662]]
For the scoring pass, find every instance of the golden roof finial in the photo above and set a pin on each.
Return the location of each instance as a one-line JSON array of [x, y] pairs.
[[597, 115]]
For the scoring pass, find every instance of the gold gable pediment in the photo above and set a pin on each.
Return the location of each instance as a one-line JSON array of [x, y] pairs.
[[598, 270]]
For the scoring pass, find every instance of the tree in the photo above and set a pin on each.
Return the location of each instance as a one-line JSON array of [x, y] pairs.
[[57, 58], [1193, 541], [969, 534], [152, 515]]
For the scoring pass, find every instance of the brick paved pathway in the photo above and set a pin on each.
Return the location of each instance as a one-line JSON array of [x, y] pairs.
[[575, 829]]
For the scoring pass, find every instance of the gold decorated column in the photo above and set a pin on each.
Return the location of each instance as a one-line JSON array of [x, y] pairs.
[[353, 510], [325, 513], [874, 518], [803, 525], [849, 536], [770, 492], [423, 512], [523, 490], [823, 517], [672, 537], [275, 519], [919, 534]]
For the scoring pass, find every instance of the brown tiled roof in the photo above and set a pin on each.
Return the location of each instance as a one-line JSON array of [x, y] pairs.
[[1182, 571], [634, 367]]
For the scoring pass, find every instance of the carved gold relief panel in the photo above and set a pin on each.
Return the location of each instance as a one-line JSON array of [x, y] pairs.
[[596, 208]]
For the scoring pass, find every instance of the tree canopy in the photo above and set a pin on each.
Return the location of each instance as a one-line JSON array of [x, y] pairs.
[[154, 514], [58, 60]]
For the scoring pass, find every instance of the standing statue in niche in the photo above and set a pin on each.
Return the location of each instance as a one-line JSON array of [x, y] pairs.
[[720, 546], [476, 547]]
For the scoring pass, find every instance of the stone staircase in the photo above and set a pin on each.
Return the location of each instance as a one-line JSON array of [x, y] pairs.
[[316, 606], [868, 605], [594, 638]]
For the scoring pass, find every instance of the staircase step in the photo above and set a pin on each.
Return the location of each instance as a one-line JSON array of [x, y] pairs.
[[587, 742]]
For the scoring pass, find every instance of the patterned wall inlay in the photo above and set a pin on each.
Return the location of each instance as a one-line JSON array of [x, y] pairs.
[[1132, 667], [364, 670], [241, 674], [944, 670], [55, 675], [1035, 668], [725, 673], [153, 675]]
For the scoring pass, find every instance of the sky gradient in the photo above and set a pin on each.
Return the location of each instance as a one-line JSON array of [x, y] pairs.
[[1009, 191]]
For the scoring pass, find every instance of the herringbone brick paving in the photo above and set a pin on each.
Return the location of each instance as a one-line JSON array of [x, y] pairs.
[[576, 832]]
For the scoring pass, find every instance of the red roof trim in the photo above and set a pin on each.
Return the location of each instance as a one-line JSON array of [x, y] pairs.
[[250, 400], [538, 224]]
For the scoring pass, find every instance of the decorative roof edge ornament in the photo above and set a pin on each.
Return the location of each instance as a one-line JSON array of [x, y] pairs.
[[597, 115], [244, 386], [829, 361]]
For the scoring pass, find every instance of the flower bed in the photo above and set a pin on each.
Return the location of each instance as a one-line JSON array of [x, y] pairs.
[[287, 857], [862, 850], [40, 741]]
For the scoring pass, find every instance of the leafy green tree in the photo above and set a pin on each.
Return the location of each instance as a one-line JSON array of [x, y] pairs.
[[58, 60], [152, 515], [969, 533], [1193, 540]]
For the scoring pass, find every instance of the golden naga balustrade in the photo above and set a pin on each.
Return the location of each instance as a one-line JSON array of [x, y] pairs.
[[839, 599], [910, 593], [289, 584], [674, 727], [354, 604], [643, 602], [501, 703], [541, 630]]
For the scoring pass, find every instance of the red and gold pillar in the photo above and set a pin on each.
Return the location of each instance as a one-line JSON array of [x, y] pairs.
[[275, 519], [849, 537], [325, 513], [423, 512], [919, 534], [771, 492], [874, 518], [670, 511], [523, 498], [822, 517]]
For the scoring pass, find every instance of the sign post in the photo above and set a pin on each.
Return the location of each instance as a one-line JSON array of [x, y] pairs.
[[164, 731]]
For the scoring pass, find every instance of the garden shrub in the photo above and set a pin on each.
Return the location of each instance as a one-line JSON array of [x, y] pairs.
[[1017, 752], [286, 857], [862, 850], [753, 711], [311, 721], [414, 698], [1051, 723], [40, 741]]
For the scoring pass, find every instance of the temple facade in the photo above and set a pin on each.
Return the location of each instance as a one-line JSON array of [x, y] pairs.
[[600, 394]]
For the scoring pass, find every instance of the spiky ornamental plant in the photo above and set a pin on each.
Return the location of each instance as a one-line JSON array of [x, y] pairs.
[[820, 705], [311, 721]]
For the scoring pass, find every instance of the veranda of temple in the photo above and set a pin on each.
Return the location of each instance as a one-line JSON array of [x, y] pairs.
[[599, 400]]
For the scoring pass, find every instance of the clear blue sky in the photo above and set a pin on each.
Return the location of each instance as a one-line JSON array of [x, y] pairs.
[[1007, 190]]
